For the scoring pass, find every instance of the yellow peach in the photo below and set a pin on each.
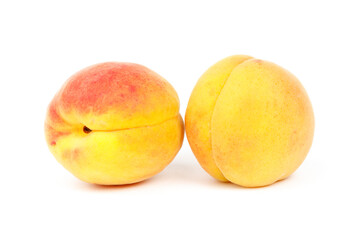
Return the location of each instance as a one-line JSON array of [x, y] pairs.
[[249, 121], [114, 123]]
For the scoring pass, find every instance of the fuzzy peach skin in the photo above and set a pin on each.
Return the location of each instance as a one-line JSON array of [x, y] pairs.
[[114, 123], [249, 121]]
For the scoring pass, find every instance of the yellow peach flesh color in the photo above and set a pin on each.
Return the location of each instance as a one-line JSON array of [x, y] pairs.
[[249, 121]]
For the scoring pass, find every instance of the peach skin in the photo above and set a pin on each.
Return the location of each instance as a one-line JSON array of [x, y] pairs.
[[114, 123], [249, 121]]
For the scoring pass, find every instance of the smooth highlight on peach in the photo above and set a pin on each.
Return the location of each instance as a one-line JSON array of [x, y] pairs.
[[114, 123]]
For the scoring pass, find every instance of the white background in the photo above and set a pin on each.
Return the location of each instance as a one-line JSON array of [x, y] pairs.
[[42, 43]]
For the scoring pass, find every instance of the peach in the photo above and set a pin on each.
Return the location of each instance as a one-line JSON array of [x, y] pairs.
[[114, 123], [249, 121]]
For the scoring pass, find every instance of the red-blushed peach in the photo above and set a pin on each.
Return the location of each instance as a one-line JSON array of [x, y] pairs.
[[114, 123], [249, 121]]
